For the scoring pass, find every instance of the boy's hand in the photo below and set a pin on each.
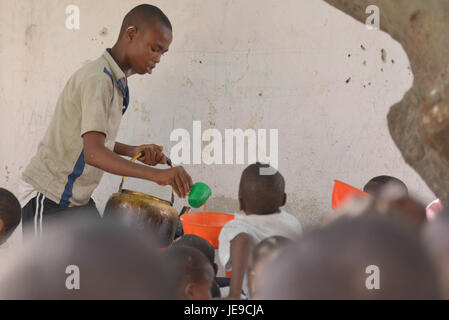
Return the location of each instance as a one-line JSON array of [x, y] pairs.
[[178, 178], [153, 154]]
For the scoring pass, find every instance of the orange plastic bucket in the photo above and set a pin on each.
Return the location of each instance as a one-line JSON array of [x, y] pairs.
[[342, 191], [206, 225]]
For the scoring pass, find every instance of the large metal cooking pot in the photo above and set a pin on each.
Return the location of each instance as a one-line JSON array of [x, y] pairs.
[[145, 211]]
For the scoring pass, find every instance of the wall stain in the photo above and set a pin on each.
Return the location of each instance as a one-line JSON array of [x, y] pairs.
[[104, 32], [212, 112], [145, 113], [383, 55], [29, 33], [253, 121]]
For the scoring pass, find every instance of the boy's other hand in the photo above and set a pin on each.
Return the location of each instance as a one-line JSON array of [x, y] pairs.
[[178, 178], [153, 154]]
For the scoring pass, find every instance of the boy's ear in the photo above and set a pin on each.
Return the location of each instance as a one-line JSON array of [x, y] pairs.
[[242, 204], [284, 201], [189, 291], [130, 33]]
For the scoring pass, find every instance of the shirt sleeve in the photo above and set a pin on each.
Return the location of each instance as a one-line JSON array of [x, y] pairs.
[[96, 98], [229, 231]]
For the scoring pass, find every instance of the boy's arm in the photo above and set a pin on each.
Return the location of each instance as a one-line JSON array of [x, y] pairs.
[[241, 253], [153, 153], [97, 155], [124, 149]]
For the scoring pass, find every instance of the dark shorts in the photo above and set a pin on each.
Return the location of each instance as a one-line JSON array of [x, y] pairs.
[[39, 211]]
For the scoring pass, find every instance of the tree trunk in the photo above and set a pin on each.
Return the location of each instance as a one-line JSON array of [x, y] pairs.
[[419, 123]]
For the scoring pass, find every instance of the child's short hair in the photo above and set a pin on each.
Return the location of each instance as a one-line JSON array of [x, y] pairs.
[[143, 15], [10, 213], [375, 185], [194, 241], [268, 246], [262, 193], [190, 264]]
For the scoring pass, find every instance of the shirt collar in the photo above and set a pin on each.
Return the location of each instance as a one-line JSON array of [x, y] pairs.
[[117, 72]]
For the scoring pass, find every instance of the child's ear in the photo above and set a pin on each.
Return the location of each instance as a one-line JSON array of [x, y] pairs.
[[242, 204], [284, 201], [189, 291], [130, 33]]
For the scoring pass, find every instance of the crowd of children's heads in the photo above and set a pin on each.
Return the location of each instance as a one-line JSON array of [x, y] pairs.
[[388, 250]]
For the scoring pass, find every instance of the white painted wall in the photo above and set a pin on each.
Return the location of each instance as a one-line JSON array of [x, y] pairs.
[[233, 64]]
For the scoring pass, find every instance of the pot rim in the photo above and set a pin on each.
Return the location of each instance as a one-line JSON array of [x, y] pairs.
[[144, 195]]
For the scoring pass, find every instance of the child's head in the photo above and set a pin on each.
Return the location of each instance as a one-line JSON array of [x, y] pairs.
[[375, 186], [194, 241], [194, 274], [347, 258], [106, 259], [267, 250], [10, 214], [201, 244], [406, 210], [145, 35], [261, 192]]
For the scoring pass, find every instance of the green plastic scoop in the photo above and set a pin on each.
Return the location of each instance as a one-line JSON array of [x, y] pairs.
[[199, 194]]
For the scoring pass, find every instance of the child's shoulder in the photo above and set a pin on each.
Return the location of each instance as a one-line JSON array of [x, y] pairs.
[[96, 68], [92, 71], [290, 218]]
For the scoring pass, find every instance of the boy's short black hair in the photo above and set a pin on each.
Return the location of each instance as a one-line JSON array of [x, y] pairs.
[[10, 213], [143, 16], [268, 245], [374, 186], [194, 241], [262, 193], [190, 265]]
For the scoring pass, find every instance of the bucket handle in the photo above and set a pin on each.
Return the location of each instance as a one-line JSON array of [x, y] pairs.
[[140, 155]]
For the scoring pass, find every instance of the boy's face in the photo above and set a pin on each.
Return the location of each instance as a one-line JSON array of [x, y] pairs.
[[147, 46]]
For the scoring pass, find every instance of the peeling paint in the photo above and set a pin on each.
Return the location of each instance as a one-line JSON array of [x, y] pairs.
[[383, 55]]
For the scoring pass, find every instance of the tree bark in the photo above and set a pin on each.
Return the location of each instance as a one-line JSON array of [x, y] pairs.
[[419, 123]]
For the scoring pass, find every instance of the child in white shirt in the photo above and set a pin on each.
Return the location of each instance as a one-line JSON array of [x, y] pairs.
[[260, 196]]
